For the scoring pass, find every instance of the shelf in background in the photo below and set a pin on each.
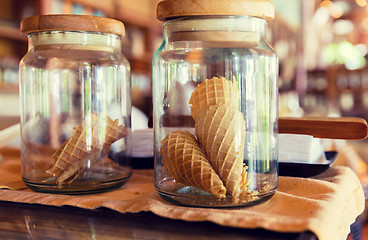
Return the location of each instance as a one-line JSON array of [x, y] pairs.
[[127, 16], [106, 6], [11, 33], [143, 31], [9, 88]]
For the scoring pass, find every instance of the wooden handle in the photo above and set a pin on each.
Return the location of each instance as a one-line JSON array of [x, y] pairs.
[[351, 128]]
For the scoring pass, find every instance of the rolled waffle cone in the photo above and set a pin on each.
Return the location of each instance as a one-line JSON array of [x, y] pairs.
[[214, 91], [184, 159], [221, 132], [75, 154], [114, 131]]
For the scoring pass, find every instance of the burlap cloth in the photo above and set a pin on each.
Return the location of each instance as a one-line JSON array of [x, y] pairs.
[[326, 204]]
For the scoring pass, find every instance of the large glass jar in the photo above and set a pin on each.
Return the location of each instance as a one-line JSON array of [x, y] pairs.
[[215, 104], [75, 105]]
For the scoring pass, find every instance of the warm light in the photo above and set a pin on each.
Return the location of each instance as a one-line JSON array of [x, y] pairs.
[[361, 3], [364, 25], [325, 3], [336, 11], [342, 27]]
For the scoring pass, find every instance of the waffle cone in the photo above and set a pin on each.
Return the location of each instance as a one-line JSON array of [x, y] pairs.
[[184, 159], [221, 132], [214, 91], [114, 132], [80, 150]]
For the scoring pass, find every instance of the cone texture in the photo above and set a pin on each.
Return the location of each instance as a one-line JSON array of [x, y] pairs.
[[76, 153], [214, 91], [184, 159], [221, 132]]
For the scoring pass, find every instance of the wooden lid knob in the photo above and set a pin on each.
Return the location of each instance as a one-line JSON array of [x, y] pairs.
[[169, 9], [68, 22]]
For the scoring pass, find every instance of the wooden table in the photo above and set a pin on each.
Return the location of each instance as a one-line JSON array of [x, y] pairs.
[[26, 221], [33, 221]]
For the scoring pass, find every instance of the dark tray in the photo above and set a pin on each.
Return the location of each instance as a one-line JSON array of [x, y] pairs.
[[296, 169], [292, 169]]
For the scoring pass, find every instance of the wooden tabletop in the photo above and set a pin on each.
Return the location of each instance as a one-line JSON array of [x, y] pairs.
[[32, 221], [25, 221]]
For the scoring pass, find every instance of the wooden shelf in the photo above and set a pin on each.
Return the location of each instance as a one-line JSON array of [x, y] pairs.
[[11, 33], [141, 66], [106, 5], [128, 16], [145, 57], [8, 88]]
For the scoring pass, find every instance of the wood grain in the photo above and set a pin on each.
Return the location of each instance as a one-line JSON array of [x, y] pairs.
[[351, 128], [257, 8], [69, 22]]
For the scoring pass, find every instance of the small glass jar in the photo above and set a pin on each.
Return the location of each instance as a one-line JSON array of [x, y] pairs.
[[215, 104], [75, 105]]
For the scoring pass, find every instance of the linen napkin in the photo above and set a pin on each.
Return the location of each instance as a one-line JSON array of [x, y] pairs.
[[326, 204]]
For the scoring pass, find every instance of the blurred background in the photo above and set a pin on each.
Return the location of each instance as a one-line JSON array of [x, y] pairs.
[[322, 47], [321, 44]]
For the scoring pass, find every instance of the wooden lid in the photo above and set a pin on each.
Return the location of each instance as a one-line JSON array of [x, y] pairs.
[[68, 22], [169, 9]]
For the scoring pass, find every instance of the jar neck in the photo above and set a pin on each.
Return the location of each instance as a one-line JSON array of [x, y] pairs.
[[221, 31], [74, 40]]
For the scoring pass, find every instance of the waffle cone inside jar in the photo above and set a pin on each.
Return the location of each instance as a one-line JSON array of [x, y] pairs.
[[218, 142], [75, 154], [184, 159]]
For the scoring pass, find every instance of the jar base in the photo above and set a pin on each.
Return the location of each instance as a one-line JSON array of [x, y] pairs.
[[213, 202], [78, 188]]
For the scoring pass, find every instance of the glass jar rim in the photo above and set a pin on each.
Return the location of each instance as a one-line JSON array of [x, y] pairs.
[[214, 22], [240, 31]]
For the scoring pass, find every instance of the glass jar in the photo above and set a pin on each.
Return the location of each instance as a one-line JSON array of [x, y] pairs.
[[75, 105], [215, 104]]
